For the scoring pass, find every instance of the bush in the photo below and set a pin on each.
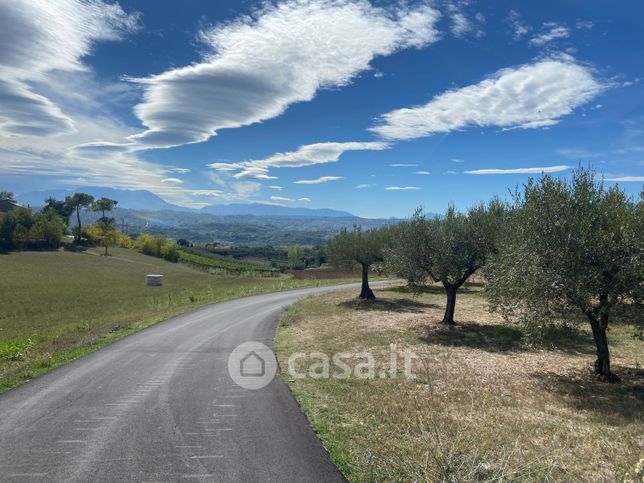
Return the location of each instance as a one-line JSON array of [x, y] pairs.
[[48, 230], [21, 228], [125, 241], [157, 246], [170, 251]]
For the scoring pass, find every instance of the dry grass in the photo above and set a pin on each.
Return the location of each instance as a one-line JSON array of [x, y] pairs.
[[484, 407]]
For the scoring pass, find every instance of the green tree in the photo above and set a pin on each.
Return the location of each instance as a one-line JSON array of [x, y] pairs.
[[104, 205], [362, 247], [447, 249], [48, 229], [7, 196], [571, 247], [105, 224], [296, 256], [60, 208], [78, 202]]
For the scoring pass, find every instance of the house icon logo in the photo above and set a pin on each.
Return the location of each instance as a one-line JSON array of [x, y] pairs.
[[252, 365]]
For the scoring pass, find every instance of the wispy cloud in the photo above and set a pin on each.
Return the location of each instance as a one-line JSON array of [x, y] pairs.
[[172, 180], [306, 155], [304, 200], [422, 173], [455, 160], [529, 96], [363, 186], [259, 64], [402, 188], [627, 179], [320, 180], [536, 170], [550, 31], [275, 187], [402, 165], [519, 27], [281, 198], [38, 39]]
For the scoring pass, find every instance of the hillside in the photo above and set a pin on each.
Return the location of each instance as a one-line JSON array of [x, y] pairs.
[[148, 201], [236, 229]]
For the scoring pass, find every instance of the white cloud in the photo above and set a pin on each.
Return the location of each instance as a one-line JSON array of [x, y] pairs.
[[519, 28], [363, 186], [402, 188], [180, 170], [258, 65], [528, 96], [172, 180], [460, 24], [539, 170], [38, 38], [402, 165], [281, 198], [627, 179], [304, 200], [550, 31], [320, 180], [306, 155], [215, 193], [423, 173], [275, 187], [455, 160]]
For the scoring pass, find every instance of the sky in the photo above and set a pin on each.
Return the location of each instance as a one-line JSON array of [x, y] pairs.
[[370, 107]]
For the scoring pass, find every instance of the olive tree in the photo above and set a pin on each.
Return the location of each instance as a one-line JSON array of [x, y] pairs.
[[446, 249], [570, 247], [361, 247]]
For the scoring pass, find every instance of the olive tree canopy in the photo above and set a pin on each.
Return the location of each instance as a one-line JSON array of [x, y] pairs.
[[447, 249], [571, 246], [358, 247]]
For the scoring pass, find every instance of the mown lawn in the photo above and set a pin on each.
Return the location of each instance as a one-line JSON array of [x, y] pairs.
[[485, 405], [55, 306]]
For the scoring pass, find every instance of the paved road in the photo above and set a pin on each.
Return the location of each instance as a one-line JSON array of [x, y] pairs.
[[159, 405]]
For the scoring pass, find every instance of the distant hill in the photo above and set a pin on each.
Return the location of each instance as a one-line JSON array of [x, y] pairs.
[[262, 209], [131, 199], [148, 201]]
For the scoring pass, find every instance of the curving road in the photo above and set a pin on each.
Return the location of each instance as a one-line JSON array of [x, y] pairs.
[[159, 405]]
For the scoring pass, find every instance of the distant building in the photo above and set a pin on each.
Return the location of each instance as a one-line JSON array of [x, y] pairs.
[[6, 205]]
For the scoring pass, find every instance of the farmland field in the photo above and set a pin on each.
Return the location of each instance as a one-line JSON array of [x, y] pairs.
[[55, 306], [485, 405]]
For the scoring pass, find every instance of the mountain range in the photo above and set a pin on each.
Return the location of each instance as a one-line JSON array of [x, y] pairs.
[[148, 201]]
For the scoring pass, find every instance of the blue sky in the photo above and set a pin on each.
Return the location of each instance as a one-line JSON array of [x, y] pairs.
[[375, 108]]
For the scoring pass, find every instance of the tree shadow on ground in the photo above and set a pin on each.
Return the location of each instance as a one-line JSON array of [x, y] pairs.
[[615, 404], [389, 305], [492, 338], [504, 338], [470, 288]]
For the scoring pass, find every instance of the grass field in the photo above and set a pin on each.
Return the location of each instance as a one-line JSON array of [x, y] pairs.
[[484, 406], [55, 306]]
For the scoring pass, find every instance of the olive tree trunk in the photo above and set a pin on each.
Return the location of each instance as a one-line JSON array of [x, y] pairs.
[[366, 293], [602, 364], [450, 291]]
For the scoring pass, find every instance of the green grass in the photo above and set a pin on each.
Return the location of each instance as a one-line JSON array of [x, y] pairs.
[[486, 404], [56, 306]]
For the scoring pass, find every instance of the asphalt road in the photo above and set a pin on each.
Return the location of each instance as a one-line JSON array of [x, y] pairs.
[[160, 405]]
